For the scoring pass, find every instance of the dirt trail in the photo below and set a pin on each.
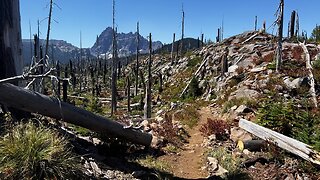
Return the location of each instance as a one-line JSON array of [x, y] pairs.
[[191, 160]]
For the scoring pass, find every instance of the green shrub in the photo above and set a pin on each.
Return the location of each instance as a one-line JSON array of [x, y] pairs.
[[230, 163], [194, 61], [31, 152], [316, 71], [94, 106], [188, 116], [299, 123], [194, 90]]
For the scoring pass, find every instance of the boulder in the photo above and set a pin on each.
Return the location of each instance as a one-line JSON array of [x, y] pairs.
[[203, 84], [237, 134], [242, 109], [213, 162], [244, 92], [232, 68], [296, 83]]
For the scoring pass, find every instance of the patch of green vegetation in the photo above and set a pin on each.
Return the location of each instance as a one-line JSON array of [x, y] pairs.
[[316, 71], [188, 116], [171, 149], [193, 62], [271, 66], [230, 163], [225, 95], [152, 162], [121, 83], [80, 130], [286, 118], [188, 54], [136, 99], [194, 90], [94, 106], [28, 151], [240, 101]]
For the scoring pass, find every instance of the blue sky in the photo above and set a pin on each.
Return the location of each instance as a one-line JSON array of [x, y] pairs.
[[160, 17]]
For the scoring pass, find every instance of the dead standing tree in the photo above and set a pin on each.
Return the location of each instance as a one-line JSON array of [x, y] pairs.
[[280, 35], [292, 24], [147, 105], [182, 32], [172, 48], [114, 64], [10, 39], [137, 61], [48, 32]]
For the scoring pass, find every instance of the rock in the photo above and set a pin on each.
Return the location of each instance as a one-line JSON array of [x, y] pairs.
[[96, 141], [296, 83], [244, 92], [258, 69], [220, 172], [138, 174], [212, 137], [278, 87], [233, 108], [158, 118], [145, 123], [246, 152], [237, 134], [173, 105], [96, 170], [203, 84], [213, 162], [243, 109], [232, 68], [156, 141], [160, 112]]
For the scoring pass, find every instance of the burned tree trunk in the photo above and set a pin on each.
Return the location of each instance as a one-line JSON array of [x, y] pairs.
[[182, 33], [128, 93], [172, 48], [137, 61], [147, 105], [65, 86], [224, 62], [292, 24], [160, 82], [280, 35], [26, 100], [114, 66], [218, 36], [58, 76], [202, 36], [48, 32], [255, 23], [10, 39]]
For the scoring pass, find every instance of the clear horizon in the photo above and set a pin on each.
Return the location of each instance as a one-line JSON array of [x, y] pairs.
[[161, 18]]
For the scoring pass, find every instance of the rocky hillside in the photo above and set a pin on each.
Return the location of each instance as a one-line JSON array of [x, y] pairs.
[[126, 43], [251, 89]]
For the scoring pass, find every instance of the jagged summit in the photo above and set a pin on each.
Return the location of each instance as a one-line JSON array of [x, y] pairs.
[[127, 44]]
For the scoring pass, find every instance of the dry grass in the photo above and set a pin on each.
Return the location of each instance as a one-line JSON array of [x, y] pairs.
[[28, 151]]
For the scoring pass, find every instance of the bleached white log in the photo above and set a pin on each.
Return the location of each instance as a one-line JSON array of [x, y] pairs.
[[294, 146]]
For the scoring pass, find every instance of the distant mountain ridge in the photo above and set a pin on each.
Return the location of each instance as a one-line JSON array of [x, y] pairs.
[[64, 51], [127, 43]]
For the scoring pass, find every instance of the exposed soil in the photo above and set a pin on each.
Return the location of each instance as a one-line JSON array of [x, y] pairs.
[[190, 161]]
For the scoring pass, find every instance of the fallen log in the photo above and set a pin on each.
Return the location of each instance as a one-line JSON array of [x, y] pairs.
[[293, 146], [310, 74], [19, 98], [204, 61]]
